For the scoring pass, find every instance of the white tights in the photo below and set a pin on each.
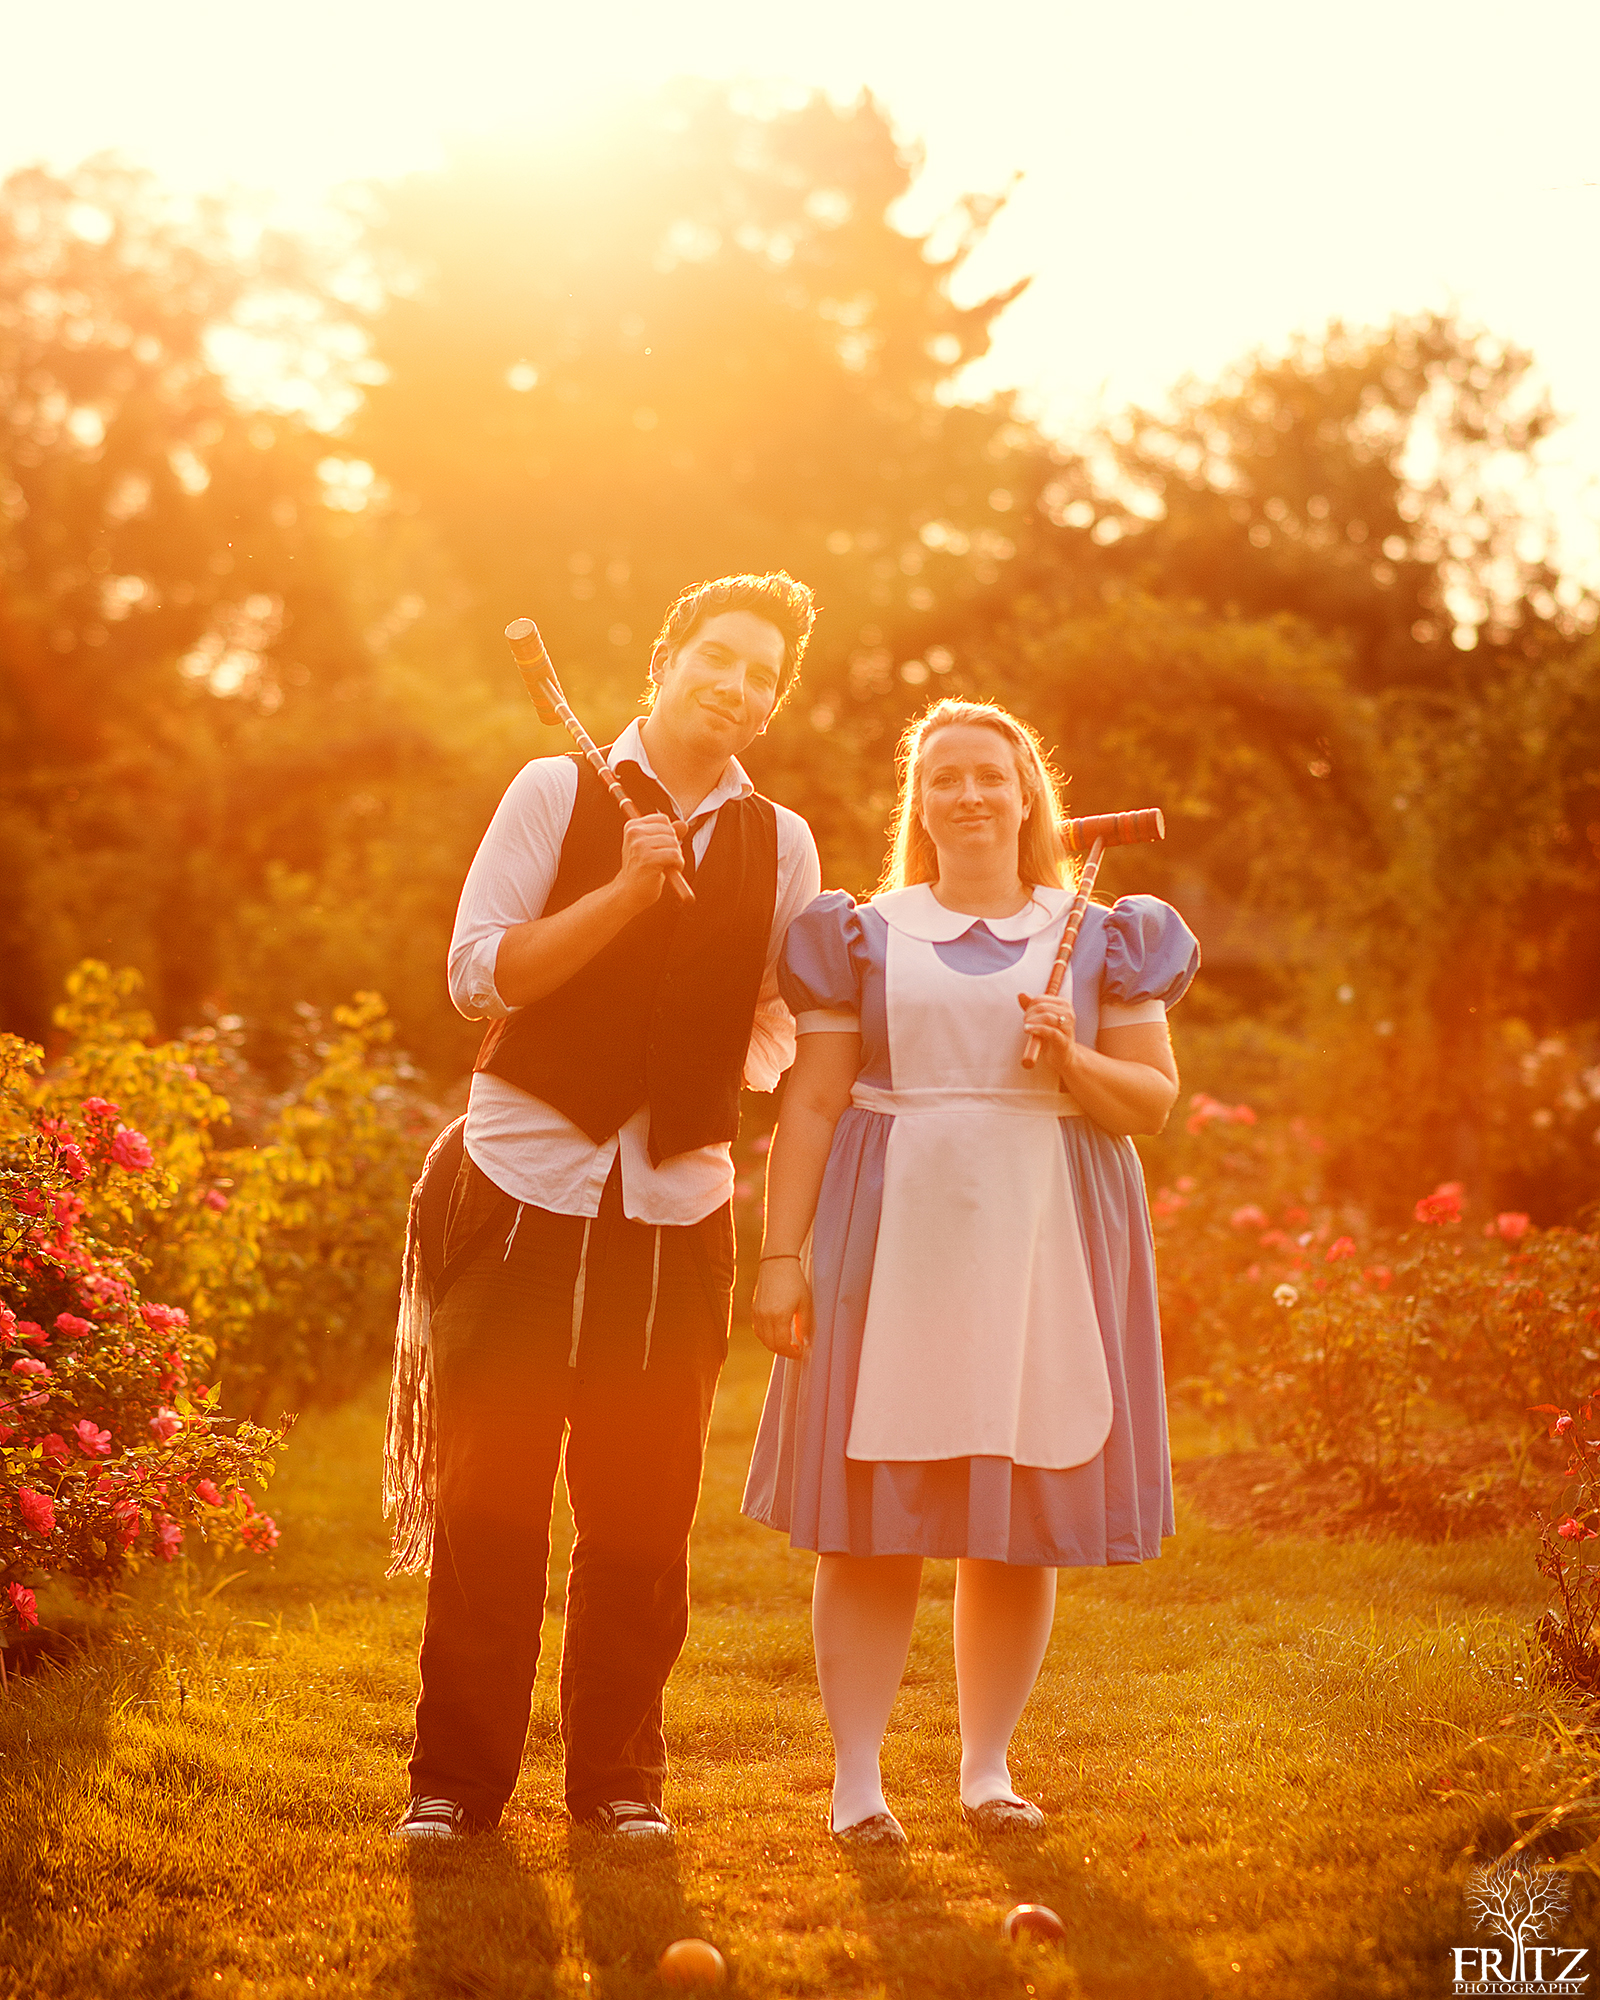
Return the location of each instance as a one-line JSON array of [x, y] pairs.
[[862, 1609]]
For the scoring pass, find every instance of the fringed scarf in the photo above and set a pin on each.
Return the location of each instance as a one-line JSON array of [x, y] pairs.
[[409, 1474]]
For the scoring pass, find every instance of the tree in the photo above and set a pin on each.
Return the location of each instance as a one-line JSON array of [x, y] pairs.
[[1373, 482], [689, 344], [179, 669]]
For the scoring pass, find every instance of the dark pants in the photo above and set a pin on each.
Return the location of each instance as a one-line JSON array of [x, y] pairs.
[[512, 1374]]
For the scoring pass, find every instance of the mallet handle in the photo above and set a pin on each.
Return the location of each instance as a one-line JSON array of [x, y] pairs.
[[1069, 937], [539, 678], [1096, 834]]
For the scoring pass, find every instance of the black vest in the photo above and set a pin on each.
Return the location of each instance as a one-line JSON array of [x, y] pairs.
[[662, 1014]]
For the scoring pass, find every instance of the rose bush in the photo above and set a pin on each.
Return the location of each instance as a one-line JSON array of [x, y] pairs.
[[112, 1450], [1350, 1344], [275, 1220]]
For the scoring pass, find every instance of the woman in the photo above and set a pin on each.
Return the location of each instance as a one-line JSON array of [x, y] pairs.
[[969, 1356]]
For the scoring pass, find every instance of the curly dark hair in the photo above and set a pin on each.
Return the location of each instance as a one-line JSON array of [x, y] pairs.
[[777, 598]]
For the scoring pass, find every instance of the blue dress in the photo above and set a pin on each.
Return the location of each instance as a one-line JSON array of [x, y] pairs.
[[1115, 1507]]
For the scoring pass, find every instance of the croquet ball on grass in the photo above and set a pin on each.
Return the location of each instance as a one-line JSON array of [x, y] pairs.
[[1032, 1920], [692, 1964]]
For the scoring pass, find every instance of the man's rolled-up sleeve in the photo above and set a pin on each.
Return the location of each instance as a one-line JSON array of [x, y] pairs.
[[772, 1032], [509, 881]]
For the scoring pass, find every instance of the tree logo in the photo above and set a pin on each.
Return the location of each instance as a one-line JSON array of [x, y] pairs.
[[1522, 1904]]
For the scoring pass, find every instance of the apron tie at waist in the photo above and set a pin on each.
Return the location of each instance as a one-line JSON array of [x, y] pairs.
[[506, 1252], [655, 1286], [1017, 1103], [577, 1292]]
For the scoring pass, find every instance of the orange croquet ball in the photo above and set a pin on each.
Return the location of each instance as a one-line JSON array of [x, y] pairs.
[[690, 1963], [1033, 1920]]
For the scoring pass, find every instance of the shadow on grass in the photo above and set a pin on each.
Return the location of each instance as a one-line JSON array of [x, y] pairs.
[[1112, 1943], [54, 1736], [919, 1945], [482, 1926], [631, 1906]]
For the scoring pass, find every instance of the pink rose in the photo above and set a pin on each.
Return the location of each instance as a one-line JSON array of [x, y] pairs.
[[100, 1108], [165, 1423], [169, 1539], [28, 1365], [33, 1334], [24, 1605], [131, 1149], [54, 1449], [125, 1520], [1511, 1227], [206, 1490], [1272, 1238], [92, 1441], [73, 1327], [216, 1199], [36, 1401], [1379, 1275], [8, 1322], [1562, 1425], [29, 1202], [1574, 1531], [1340, 1248], [73, 1164], [163, 1319], [260, 1533], [1241, 1114], [37, 1510], [1248, 1217]]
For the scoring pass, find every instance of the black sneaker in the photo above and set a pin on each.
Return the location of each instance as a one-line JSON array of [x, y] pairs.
[[629, 1819], [435, 1819]]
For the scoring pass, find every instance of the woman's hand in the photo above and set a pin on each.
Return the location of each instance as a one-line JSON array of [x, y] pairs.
[[782, 1308], [1050, 1017]]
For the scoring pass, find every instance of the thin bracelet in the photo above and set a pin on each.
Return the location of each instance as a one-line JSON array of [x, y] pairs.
[[782, 1257]]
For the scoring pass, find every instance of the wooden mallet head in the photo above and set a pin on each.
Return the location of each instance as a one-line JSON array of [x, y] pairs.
[[1113, 830], [533, 663]]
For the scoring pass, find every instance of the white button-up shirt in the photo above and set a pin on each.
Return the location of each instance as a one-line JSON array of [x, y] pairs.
[[526, 1146]]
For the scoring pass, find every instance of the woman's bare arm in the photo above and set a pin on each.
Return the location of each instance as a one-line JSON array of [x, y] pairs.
[[814, 1100], [1128, 1084]]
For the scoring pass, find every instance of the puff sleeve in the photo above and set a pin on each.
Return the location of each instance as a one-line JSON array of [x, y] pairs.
[[819, 973], [1151, 958]]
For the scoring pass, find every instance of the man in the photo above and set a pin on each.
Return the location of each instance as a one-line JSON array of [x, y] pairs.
[[588, 1254]]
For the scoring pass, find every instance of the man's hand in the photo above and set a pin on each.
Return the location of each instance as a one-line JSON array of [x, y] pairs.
[[781, 1309], [652, 848]]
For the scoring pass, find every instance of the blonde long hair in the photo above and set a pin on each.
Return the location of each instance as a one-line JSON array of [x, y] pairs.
[[1041, 853]]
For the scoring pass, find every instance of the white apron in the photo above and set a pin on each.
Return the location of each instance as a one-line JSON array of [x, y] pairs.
[[981, 1337]]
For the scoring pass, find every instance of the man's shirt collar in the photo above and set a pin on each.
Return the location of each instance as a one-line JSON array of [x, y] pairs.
[[733, 784]]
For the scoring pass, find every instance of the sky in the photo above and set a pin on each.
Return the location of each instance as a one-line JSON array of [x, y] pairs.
[[1194, 181]]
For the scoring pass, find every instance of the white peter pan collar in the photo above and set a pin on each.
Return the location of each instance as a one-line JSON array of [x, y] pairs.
[[917, 913]]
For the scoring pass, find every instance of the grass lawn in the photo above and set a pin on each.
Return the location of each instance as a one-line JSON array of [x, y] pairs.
[[1267, 1765]]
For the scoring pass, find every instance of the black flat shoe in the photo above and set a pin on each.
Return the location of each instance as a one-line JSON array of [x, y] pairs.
[[1003, 1816], [877, 1830]]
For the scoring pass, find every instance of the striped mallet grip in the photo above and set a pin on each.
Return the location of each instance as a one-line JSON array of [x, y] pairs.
[[539, 678], [1096, 834]]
